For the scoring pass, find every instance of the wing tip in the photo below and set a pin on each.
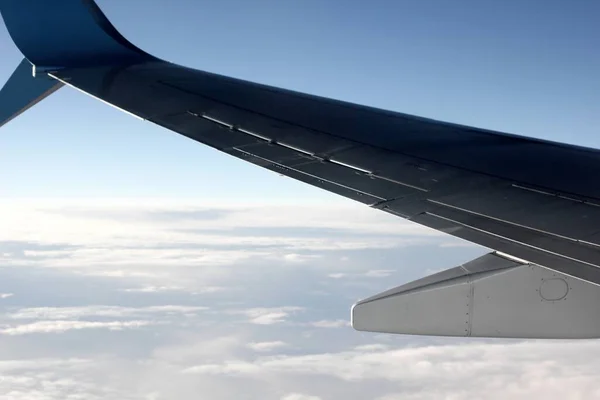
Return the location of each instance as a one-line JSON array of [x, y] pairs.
[[22, 91], [68, 34]]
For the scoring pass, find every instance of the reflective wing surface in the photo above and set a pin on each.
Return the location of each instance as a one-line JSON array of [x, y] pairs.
[[531, 199]]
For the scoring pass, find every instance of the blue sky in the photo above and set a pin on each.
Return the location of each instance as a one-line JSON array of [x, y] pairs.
[[523, 67], [137, 264]]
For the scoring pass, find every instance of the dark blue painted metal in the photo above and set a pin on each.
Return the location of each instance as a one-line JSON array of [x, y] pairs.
[[66, 33], [23, 91]]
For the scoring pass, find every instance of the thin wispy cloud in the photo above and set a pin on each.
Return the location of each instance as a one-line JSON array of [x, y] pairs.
[[268, 315], [299, 396], [153, 289], [102, 311], [524, 367], [300, 258], [266, 346], [172, 289], [379, 273], [113, 237], [60, 326], [337, 323], [376, 273]]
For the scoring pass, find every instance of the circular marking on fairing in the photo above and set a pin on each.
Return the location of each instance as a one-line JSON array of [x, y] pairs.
[[554, 289]]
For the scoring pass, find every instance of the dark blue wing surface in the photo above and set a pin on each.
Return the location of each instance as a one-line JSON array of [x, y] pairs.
[[66, 33], [23, 91]]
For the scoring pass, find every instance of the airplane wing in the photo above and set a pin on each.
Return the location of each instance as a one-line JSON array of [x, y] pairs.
[[535, 203]]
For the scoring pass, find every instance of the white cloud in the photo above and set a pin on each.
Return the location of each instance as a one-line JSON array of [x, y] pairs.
[[57, 313], [495, 371], [266, 346], [374, 273], [6, 295], [372, 347], [192, 347], [188, 255], [209, 289], [338, 323], [162, 289], [266, 315], [21, 365], [233, 367], [119, 273], [455, 242], [300, 258], [379, 273], [299, 396], [153, 289], [61, 378], [60, 326], [114, 237]]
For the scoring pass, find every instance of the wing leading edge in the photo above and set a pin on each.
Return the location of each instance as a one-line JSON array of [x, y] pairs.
[[490, 188]]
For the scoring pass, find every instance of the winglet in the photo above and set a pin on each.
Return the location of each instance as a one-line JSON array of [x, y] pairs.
[[54, 35], [23, 91], [66, 34]]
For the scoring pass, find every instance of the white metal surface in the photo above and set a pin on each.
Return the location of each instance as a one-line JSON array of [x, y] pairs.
[[489, 297]]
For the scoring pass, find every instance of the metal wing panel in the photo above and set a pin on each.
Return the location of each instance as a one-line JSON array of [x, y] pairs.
[[66, 32], [380, 188], [311, 180], [501, 155], [22, 91], [510, 246], [410, 167], [553, 214]]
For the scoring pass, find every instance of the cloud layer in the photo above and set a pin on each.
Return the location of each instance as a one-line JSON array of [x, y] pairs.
[[160, 300]]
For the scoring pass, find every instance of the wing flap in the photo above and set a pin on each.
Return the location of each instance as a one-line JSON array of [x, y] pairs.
[[509, 245], [545, 212], [567, 248], [328, 170], [311, 180], [410, 171]]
